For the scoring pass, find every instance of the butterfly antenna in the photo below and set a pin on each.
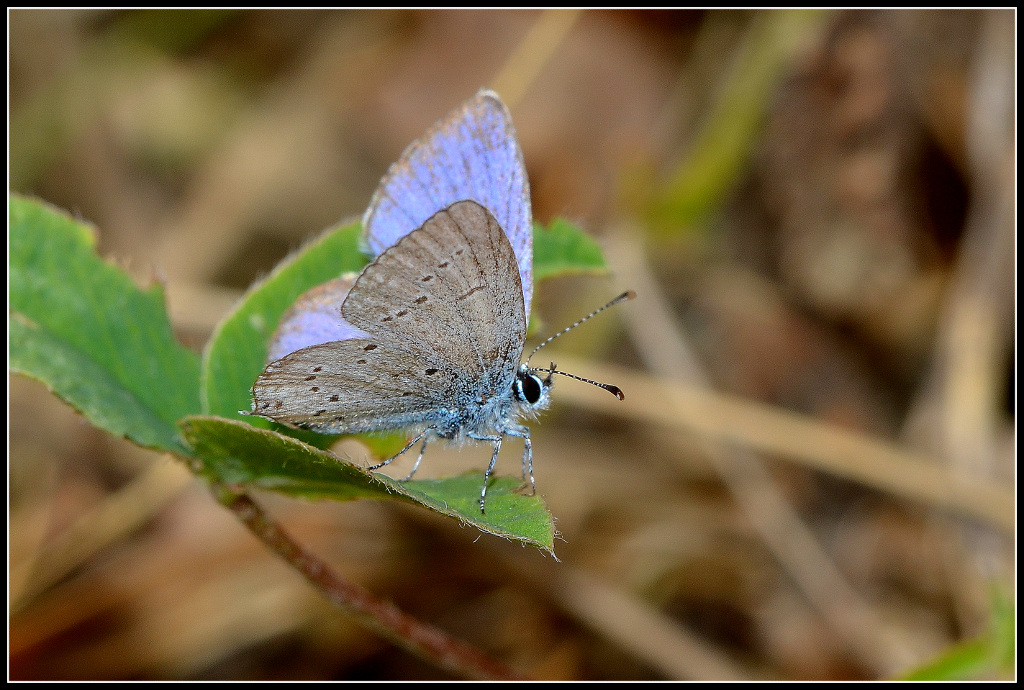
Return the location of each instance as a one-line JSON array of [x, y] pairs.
[[621, 298], [614, 390]]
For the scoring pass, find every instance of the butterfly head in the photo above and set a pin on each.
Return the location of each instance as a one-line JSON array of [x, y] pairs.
[[532, 391]]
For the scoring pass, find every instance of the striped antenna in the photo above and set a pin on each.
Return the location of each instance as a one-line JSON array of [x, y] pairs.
[[614, 390], [621, 298]]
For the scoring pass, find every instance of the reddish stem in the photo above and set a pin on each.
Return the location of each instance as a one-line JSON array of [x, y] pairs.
[[426, 641]]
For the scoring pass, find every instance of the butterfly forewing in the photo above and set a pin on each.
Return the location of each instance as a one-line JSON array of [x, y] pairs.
[[352, 386], [472, 153], [450, 288]]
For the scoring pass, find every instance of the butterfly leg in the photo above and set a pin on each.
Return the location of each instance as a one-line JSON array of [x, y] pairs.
[[496, 440], [419, 458], [408, 445], [524, 433]]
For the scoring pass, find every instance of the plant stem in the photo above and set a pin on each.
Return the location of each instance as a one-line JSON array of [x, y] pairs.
[[427, 642]]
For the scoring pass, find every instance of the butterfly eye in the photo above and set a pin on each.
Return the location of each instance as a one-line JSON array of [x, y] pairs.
[[528, 388]]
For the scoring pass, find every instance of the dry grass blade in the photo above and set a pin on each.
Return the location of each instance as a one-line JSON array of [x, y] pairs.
[[660, 342], [117, 516], [795, 438], [533, 52]]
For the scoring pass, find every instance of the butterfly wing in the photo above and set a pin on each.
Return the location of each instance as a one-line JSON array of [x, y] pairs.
[[351, 386], [473, 154], [444, 313], [314, 318], [451, 288]]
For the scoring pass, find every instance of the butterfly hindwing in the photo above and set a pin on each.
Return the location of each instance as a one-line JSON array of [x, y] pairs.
[[314, 318], [352, 386]]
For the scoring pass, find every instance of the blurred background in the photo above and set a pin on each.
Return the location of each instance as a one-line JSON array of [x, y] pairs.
[[812, 475]]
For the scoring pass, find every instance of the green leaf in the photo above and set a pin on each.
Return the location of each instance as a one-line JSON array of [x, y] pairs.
[[240, 454], [86, 331], [562, 249], [968, 660], [991, 655], [237, 350]]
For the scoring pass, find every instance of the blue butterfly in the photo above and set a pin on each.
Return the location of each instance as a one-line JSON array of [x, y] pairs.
[[429, 337]]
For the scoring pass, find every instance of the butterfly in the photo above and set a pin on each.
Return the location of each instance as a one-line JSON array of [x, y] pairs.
[[429, 337]]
